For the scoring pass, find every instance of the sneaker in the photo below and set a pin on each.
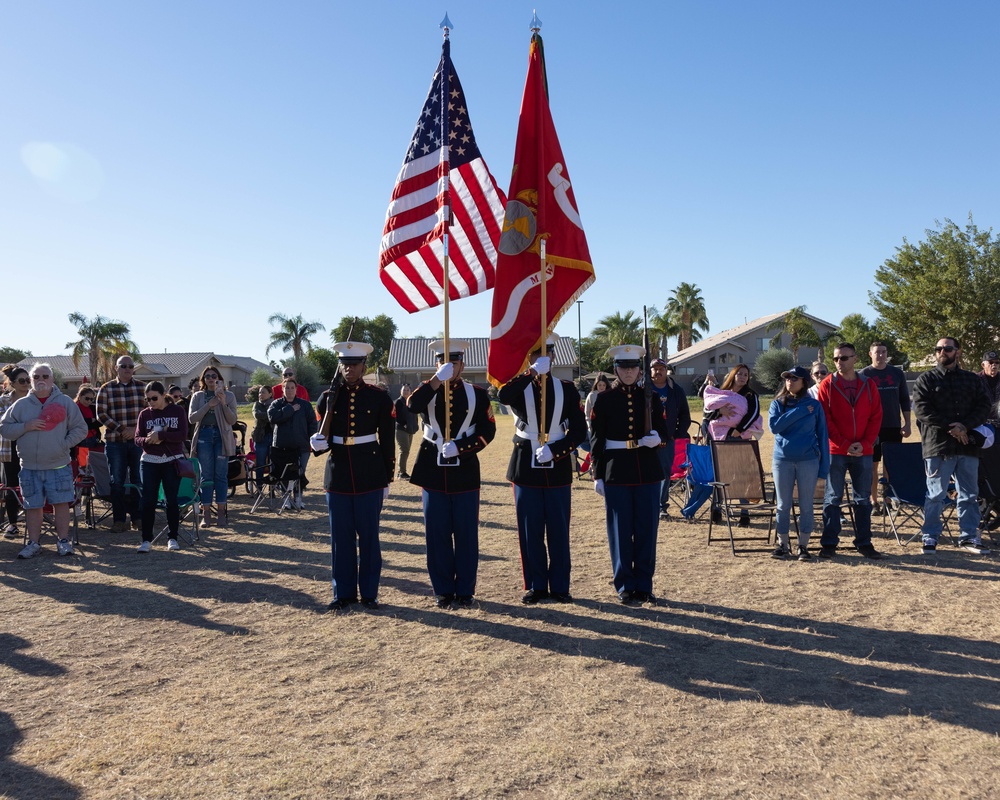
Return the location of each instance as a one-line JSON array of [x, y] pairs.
[[930, 548], [64, 547], [972, 546], [827, 552], [173, 544], [300, 504], [804, 554], [11, 532], [287, 505], [781, 552], [31, 549], [145, 547], [664, 514]]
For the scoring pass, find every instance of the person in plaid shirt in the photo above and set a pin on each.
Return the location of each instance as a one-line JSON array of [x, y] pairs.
[[118, 405]]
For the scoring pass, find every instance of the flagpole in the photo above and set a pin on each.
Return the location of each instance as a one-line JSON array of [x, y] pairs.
[[446, 27], [543, 436]]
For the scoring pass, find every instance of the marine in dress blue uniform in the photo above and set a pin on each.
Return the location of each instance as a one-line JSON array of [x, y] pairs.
[[358, 472], [627, 473], [540, 469], [447, 469]]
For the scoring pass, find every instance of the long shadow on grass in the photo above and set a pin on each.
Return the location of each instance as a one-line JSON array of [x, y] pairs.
[[100, 598], [19, 780], [29, 665], [740, 655]]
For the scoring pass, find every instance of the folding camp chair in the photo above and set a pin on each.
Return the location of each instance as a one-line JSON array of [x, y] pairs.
[[188, 503], [679, 492], [700, 481], [906, 490], [739, 479], [95, 480]]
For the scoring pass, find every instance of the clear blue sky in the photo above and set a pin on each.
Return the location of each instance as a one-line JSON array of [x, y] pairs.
[[192, 167]]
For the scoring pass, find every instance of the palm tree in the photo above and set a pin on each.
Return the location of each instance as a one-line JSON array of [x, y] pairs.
[[687, 308], [102, 340], [800, 331], [616, 329], [293, 333], [661, 328]]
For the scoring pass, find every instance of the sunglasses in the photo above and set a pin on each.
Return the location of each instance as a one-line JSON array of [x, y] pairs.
[[23, 381], [41, 377], [993, 363], [126, 366], [152, 398], [820, 374], [946, 349], [87, 399], [288, 375], [793, 378], [842, 358], [211, 377]]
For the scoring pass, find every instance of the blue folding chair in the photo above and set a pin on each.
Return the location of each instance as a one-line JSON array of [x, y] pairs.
[[700, 478], [906, 490]]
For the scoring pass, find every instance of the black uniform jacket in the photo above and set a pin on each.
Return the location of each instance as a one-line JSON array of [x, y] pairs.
[[569, 418], [619, 414], [360, 410], [464, 477]]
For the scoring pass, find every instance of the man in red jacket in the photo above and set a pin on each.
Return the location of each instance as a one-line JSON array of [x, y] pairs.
[[853, 417]]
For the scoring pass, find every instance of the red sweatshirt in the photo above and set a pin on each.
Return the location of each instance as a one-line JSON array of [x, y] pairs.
[[847, 423]]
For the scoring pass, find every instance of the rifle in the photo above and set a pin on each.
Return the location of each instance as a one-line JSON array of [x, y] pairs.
[[333, 391], [647, 374]]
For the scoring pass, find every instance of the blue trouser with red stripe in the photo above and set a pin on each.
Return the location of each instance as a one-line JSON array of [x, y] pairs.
[[543, 513]]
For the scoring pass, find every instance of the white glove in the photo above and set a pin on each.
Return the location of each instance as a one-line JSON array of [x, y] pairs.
[[599, 487], [318, 442], [543, 455], [542, 365], [444, 372], [449, 450], [651, 439], [385, 494]]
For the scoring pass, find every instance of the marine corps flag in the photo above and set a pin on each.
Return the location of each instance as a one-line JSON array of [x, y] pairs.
[[540, 209]]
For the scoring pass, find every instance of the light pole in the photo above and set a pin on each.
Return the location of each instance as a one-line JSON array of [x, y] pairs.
[[579, 345]]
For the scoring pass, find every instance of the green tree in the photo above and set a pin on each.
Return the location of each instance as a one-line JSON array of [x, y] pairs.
[[799, 328], [11, 355], [102, 341], [661, 328], [326, 362], [616, 329], [854, 328], [947, 285], [770, 364], [263, 377], [377, 331], [293, 334], [687, 310]]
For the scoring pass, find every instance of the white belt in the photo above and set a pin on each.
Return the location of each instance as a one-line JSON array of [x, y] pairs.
[[555, 436], [430, 436], [349, 440], [618, 444]]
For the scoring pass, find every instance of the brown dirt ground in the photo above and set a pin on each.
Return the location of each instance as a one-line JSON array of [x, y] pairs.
[[217, 672]]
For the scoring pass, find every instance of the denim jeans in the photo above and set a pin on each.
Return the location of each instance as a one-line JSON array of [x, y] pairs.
[[860, 468], [262, 451], [786, 475], [939, 471], [123, 462], [214, 465], [153, 475]]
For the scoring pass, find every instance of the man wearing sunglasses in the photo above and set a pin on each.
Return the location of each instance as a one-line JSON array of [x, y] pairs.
[[950, 403], [119, 403], [853, 418]]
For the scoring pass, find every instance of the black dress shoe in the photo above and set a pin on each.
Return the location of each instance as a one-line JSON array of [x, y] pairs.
[[627, 598], [532, 596], [370, 603], [870, 552], [465, 600], [341, 604], [444, 600], [646, 597], [562, 597]]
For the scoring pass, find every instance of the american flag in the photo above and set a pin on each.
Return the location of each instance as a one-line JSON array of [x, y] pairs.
[[443, 169]]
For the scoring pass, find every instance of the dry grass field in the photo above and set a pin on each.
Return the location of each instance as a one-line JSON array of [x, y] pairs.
[[216, 672]]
